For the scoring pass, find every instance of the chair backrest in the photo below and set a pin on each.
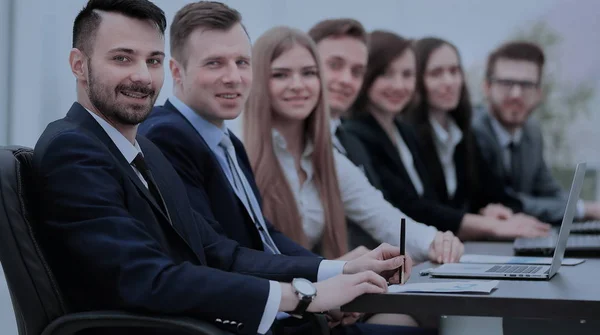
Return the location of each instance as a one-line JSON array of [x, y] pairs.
[[34, 292]]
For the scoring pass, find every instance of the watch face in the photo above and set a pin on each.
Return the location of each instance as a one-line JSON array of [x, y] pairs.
[[304, 286]]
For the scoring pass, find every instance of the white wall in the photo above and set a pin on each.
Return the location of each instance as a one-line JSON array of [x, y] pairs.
[[5, 37], [42, 86]]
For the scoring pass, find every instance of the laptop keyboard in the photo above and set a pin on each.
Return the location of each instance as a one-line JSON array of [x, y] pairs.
[[574, 241], [531, 269], [587, 227]]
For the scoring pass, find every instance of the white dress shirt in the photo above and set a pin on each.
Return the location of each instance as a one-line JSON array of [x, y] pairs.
[[130, 151], [408, 161], [334, 124], [505, 138], [445, 144], [362, 203]]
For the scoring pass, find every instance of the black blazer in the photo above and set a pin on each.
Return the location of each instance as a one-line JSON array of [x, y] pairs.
[[473, 192], [397, 186], [357, 153], [112, 247], [207, 186]]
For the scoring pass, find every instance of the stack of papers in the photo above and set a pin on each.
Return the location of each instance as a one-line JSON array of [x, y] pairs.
[[479, 286]]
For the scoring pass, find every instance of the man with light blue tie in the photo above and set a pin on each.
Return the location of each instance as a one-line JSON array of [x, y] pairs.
[[212, 79]]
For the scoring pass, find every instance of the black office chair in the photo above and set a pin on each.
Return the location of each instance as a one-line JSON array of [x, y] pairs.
[[39, 306]]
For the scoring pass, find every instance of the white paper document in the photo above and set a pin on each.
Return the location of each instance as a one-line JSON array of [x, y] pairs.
[[489, 259], [479, 286]]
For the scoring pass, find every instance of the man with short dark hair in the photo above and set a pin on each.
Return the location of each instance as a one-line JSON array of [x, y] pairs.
[[116, 221], [342, 45], [512, 141]]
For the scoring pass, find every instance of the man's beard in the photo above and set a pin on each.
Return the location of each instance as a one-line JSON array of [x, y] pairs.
[[126, 114], [498, 114]]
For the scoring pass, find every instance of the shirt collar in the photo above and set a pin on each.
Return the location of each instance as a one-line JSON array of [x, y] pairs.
[[211, 133], [279, 143], [446, 138], [503, 136], [334, 124], [128, 150]]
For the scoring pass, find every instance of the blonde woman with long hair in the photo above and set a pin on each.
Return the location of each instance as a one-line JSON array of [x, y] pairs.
[[309, 189]]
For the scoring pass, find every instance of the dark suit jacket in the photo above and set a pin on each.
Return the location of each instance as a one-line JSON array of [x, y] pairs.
[[473, 192], [397, 186], [112, 247], [357, 153], [541, 194], [208, 188]]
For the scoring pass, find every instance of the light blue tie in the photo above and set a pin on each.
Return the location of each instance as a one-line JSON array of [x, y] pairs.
[[243, 190]]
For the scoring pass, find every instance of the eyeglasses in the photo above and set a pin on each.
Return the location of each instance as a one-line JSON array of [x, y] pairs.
[[506, 85]]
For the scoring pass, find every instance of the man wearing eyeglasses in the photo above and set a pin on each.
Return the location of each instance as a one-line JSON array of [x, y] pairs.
[[512, 141]]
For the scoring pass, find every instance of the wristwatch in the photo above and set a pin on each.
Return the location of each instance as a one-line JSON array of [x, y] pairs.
[[306, 292]]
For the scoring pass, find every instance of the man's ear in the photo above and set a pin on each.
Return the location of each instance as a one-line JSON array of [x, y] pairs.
[[78, 62], [486, 86], [539, 95], [176, 71]]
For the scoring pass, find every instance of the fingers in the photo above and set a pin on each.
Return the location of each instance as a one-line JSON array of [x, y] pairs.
[[438, 246], [387, 250], [371, 277], [457, 248], [447, 249], [368, 287], [543, 226], [391, 264], [408, 264]]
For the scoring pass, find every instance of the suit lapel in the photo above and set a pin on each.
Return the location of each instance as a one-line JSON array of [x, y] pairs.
[[388, 146], [223, 180], [496, 148], [419, 165], [88, 123], [203, 143]]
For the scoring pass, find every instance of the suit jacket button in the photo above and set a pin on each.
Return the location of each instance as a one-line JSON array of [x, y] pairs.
[[226, 322], [218, 320], [240, 326]]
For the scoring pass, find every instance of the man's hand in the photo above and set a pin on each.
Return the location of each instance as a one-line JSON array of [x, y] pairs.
[[384, 260], [521, 225], [340, 290], [497, 211], [446, 248], [354, 254], [592, 210]]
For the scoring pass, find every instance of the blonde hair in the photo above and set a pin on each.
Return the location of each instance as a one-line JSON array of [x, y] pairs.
[[279, 204]]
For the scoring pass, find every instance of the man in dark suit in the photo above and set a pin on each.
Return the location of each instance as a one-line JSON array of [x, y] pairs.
[[116, 220], [342, 45], [512, 141], [190, 131]]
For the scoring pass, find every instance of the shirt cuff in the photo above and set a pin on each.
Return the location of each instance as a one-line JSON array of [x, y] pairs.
[[328, 269], [271, 308], [580, 209], [422, 236]]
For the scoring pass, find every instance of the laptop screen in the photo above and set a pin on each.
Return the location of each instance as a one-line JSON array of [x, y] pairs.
[[565, 227]]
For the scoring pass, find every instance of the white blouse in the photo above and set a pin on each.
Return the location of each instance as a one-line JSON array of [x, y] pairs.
[[445, 144], [363, 203], [408, 161]]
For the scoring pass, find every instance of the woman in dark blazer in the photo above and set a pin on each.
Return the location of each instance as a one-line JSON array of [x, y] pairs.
[[397, 153]]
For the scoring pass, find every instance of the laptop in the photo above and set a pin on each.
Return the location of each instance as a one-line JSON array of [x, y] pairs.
[[586, 227], [512, 271]]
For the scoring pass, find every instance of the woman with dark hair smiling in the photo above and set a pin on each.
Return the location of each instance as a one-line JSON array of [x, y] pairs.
[[390, 83]]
